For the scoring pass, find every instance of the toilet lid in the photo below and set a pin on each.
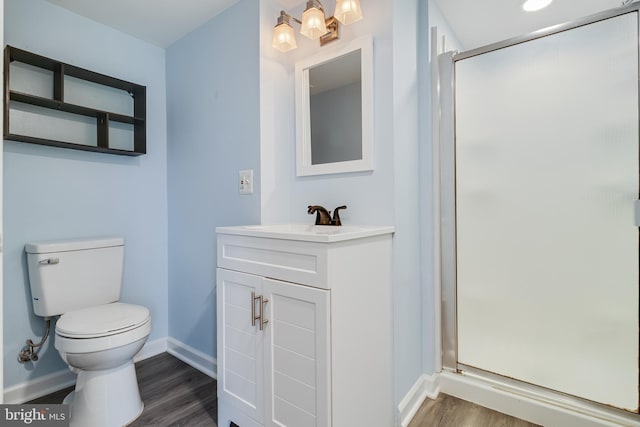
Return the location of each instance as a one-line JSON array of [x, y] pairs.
[[101, 320]]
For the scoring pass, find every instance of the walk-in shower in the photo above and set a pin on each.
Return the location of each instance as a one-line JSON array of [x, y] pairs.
[[539, 175]]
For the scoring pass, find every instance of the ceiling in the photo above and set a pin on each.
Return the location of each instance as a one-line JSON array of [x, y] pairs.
[[160, 22], [478, 23], [475, 22]]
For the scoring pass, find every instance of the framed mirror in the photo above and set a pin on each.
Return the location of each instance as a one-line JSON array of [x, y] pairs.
[[334, 110]]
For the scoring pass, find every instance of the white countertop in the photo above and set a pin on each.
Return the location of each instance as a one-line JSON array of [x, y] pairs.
[[307, 232]]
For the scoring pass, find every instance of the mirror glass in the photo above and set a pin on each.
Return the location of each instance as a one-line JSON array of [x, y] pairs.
[[335, 102], [333, 107]]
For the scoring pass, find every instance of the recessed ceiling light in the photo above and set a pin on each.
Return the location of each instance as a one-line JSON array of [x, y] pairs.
[[533, 5]]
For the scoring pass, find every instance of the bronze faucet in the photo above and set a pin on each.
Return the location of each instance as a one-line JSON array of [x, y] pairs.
[[323, 216]]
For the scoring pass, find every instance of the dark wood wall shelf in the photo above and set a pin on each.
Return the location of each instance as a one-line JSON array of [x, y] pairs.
[[57, 102]]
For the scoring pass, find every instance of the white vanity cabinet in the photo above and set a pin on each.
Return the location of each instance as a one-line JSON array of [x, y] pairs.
[[304, 332]]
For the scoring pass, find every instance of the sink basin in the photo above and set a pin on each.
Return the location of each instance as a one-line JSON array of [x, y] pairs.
[[307, 232]]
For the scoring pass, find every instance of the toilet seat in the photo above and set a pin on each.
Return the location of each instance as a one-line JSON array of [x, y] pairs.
[[102, 327], [101, 321]]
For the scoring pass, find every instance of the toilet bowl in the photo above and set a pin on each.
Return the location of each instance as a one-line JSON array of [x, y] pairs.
[[98, 343], [80, 280]]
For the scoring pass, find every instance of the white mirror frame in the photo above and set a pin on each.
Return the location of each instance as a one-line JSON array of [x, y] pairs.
[[304, 167]]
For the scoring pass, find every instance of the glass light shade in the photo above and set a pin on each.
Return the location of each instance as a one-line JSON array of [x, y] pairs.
[[533, 5], [284, 38], [348, 11], [313, 25]]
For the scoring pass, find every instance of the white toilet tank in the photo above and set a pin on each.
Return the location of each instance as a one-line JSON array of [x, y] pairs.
[[68, 275]]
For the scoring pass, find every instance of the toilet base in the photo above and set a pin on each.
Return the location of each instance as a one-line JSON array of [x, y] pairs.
[[105, 398]]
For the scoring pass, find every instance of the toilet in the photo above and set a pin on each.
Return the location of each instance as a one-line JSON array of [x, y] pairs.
[[96, 335]]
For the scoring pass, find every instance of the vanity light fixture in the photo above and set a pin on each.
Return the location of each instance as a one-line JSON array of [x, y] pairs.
[[534, 5], [314, 24]]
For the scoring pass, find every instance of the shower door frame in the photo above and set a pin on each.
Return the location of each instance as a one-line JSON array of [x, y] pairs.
[[444, 151]]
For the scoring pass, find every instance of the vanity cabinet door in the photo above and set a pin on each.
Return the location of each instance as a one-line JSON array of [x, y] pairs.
[[240, 343], [297, 355]]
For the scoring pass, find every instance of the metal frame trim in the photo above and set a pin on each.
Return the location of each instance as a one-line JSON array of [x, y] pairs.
[[554, 29]]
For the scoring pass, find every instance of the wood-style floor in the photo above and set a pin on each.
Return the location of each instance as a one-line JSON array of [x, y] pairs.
[[448, 411], [175, 394]]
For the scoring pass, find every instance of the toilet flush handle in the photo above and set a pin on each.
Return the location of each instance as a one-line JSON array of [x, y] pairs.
[[49, 261]]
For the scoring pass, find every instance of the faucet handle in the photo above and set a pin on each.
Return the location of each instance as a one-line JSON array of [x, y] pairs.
[[336, 215]]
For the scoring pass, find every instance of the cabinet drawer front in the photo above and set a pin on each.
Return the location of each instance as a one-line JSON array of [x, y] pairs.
[[292, 261]]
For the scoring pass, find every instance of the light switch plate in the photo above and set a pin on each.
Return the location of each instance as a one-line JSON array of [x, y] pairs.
[[245, 182]]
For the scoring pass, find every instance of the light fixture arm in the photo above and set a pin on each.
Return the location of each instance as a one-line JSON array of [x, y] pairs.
[[285, 17], [314, 3]]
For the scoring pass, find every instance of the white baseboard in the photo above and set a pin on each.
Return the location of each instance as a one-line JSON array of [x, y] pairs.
[[425, 387], [193, 357], [150, 349], [544, 408], [32, 389]]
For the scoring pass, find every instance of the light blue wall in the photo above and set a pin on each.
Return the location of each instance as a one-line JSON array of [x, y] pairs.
[[445, 32], [408, 289], [426, 199], [214, 131], [388, 195], [52, 193]]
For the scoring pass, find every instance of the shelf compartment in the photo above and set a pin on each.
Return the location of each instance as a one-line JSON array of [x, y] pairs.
[[31, 80]]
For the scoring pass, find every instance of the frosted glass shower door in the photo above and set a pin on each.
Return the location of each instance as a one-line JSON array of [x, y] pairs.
[[546, 181]]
